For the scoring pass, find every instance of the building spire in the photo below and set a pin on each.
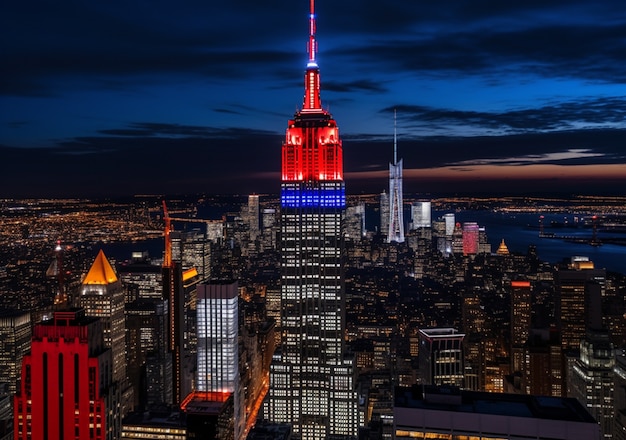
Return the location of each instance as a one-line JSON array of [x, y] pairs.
[[395, 143], [312, 47], [312, 101]]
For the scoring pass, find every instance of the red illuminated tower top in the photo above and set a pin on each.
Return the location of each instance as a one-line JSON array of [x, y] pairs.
[[312, 149], [312, 99]]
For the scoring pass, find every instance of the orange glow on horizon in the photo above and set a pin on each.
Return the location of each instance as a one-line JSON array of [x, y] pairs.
[[500, 172]]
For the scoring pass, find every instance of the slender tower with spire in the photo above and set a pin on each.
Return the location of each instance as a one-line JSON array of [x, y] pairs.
[[311, 383], [396, 218]]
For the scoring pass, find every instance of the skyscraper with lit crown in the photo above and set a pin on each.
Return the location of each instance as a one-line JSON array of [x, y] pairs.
[[311, 384], [396, 217]]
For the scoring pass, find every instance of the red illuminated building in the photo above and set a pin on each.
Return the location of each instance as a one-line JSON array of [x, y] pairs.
[[63, 393]]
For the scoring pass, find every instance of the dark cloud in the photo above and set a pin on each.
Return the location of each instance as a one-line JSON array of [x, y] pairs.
[[568, 115], [364, 85]]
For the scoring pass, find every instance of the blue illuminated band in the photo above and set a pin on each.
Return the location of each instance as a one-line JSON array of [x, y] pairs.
[[313, 197]]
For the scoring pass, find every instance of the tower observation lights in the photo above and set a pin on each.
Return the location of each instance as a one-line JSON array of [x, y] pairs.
[[311, 384]]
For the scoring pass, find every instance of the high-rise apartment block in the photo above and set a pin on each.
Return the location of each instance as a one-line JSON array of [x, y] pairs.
[[311, 382]]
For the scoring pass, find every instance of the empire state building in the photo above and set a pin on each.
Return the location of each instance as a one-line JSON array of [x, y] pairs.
[[311, 383]]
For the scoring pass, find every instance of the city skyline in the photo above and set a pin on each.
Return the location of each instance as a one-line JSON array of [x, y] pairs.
[[156, 100]]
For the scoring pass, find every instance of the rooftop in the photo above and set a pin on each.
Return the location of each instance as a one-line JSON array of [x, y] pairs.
[[452, 399]]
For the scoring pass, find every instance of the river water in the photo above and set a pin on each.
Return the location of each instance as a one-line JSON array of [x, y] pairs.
[[521, 230]]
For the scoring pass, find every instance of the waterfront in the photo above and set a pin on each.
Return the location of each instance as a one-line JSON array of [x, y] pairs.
[[519, 231], [522, 230]]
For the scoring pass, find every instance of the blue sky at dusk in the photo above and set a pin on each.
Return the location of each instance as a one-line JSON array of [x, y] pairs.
[[124, 97]]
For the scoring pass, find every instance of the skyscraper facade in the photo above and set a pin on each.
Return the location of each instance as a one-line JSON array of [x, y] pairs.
[[102, 296], [311, 384], [396, 216], [15, 331]]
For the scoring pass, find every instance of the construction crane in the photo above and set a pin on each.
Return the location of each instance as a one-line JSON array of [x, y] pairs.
[[167, 258]]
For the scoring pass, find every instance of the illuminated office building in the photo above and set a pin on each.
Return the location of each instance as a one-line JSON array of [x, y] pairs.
[[590, 378], [579, 289], [520, 322], [217, 314], [102, 296], [66, 382], [311, 383], [254, 221], [15, 333], [440, 356], [396, 206]]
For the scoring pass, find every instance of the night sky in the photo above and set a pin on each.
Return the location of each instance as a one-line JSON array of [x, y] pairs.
[[120, 97]]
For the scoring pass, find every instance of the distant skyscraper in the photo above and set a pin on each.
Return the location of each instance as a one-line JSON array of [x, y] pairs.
[[66, 381], [310, 381], [421, 214], [450, 224], [253, 216], [355, 222], [470, 238], [396, 205], [384, 212]]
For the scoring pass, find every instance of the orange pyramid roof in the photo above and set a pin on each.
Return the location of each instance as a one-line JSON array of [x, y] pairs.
[[101, 271], [502, 249]]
